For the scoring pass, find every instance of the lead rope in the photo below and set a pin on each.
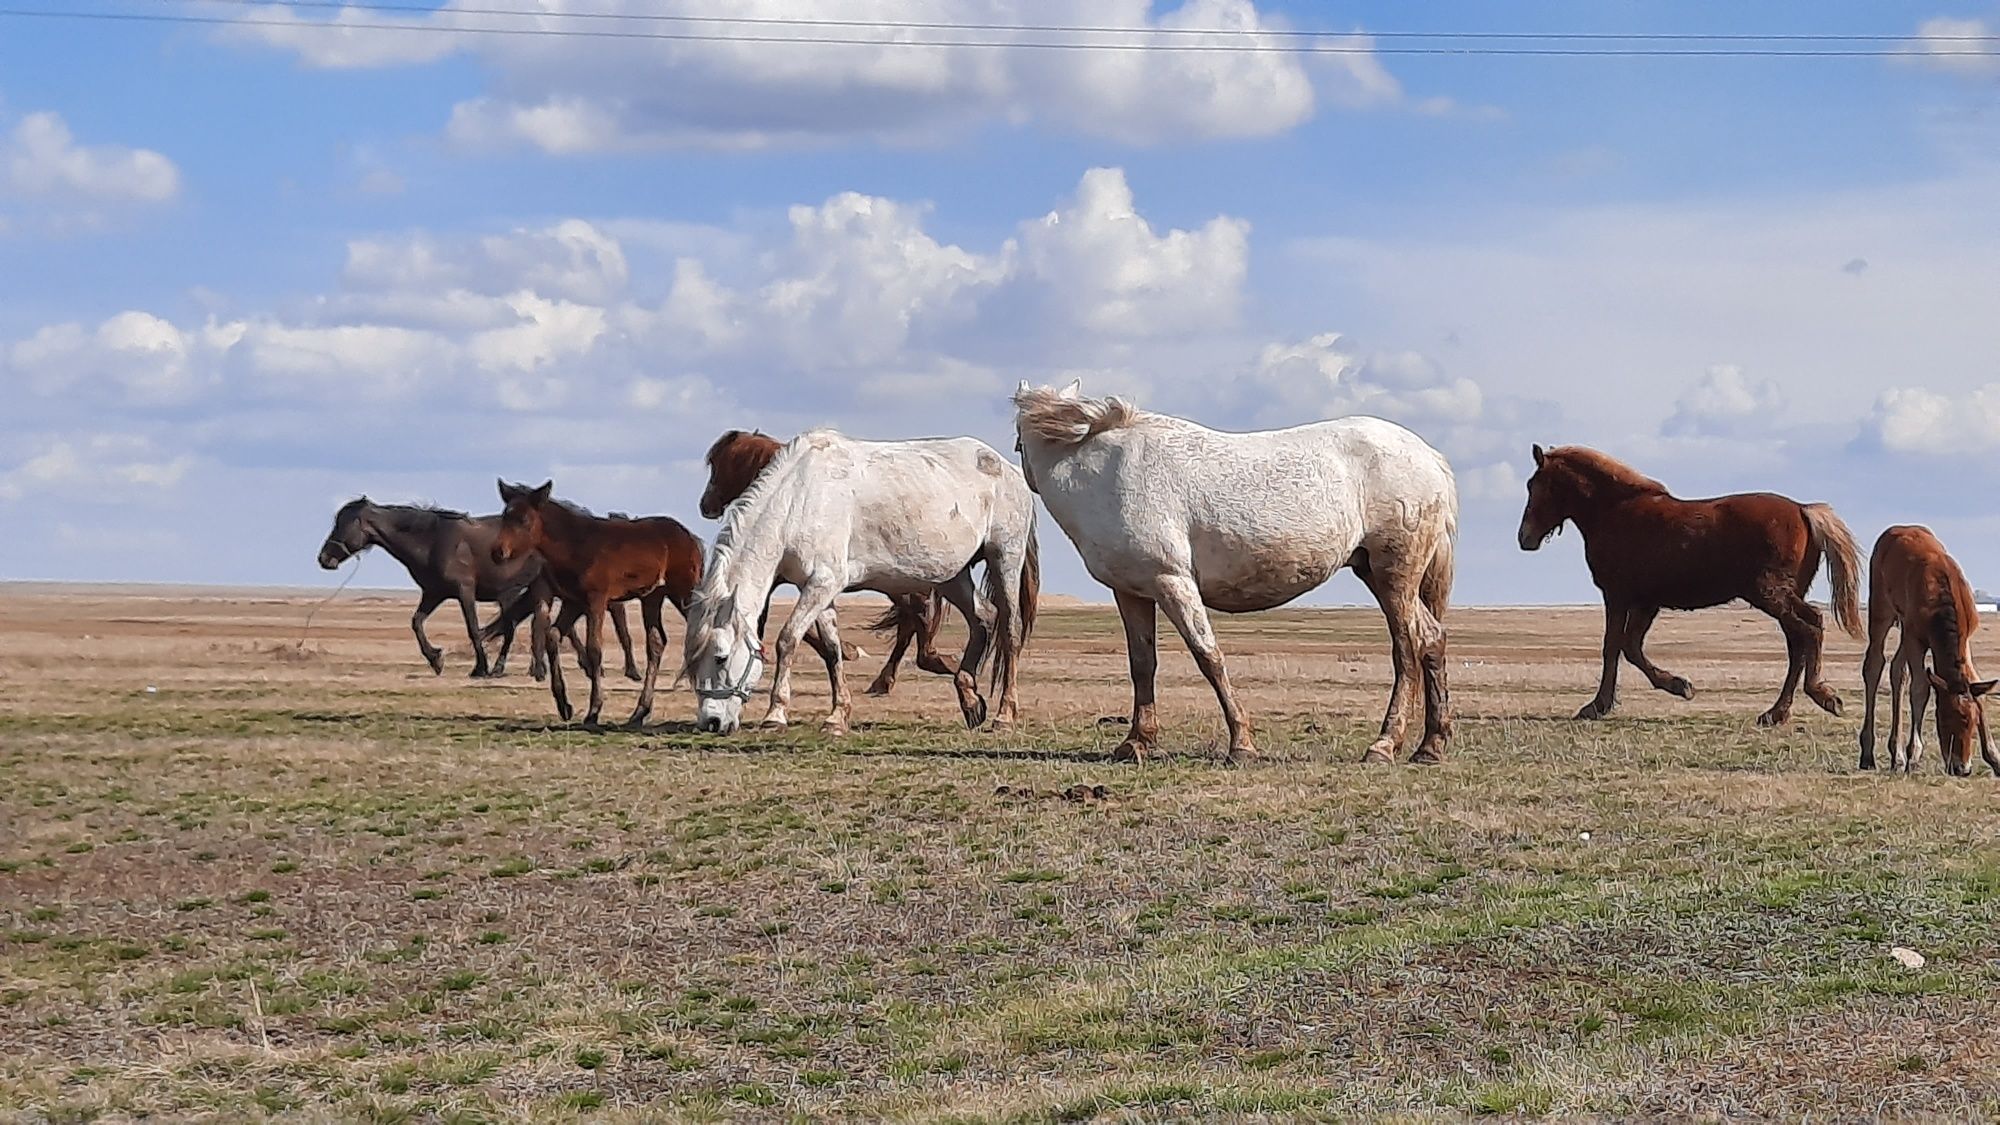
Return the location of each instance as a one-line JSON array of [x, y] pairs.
[[314, 611]]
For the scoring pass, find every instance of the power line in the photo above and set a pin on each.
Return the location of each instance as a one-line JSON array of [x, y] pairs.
[[1307, 48], [1097, 29]]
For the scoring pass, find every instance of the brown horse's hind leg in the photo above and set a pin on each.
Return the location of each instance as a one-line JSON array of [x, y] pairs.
[[432, 656], [466, 603], [593, 659], [552, 646], [1181, 601], [827, 628], [1616, 613], [624, 631], [1814, 624], [1795, 657], [1881, 616], [961, 593], [1638, 621], [1143, 654], [656, 645]]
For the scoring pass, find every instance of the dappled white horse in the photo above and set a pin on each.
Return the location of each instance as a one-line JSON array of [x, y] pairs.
[[831, 514], [1180, 517]]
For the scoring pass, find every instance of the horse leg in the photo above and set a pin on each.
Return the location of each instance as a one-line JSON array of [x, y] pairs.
[[656, 645], [467, 603], [1181, 600], [1899, 670], [1638, 621], [962, 593], [538, 638], [1796, 641], [1920, 701], [552, 645], [1880, 617], [1813, 625], [1397, 597], [815, 597], [1437, 690], [431, 654], [506, 645], [827, 626], [928, 617], [1143, 653], [593, 658], [1616, 612], [624, 631], [1008, 623], [885, 680]]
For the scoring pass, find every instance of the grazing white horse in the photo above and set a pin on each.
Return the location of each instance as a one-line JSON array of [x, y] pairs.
[[1174, 515], [832, 513]]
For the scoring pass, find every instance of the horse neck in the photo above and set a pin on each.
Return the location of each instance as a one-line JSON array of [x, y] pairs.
[[406, 535], [562, 544], [1606, 498]]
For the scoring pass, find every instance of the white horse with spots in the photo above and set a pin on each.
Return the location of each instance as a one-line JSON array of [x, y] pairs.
[[1180, 517], [831, 514]]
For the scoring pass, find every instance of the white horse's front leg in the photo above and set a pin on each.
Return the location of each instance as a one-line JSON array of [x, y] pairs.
[[815, 597]]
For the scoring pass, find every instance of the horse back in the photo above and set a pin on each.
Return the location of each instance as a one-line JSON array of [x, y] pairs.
[[1692, 554], [1912, 578]]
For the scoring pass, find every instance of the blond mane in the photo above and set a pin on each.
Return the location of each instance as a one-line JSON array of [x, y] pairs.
[[1063, 419], [1592, 466]]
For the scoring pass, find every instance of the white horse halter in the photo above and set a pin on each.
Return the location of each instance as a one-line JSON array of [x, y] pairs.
[[742, 689]]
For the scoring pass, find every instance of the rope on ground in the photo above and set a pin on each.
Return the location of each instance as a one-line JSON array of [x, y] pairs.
[[314, 611]]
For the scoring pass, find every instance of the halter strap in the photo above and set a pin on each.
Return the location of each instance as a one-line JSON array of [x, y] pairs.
[[741, 689]]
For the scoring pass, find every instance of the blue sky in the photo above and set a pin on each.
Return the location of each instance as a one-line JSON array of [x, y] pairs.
[[254, 271]]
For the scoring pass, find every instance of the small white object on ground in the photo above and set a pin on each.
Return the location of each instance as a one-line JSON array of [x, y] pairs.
[[151, 690], [1584, 836], [1910, 958]]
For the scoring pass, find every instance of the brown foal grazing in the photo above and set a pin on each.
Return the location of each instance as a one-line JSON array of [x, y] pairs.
[[1649, 551], [734, 462], [592, 561], [1913, 583]]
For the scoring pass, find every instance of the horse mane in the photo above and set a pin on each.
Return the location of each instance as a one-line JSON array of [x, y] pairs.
[[1948, 641], [1055, 417], [1589, 467]]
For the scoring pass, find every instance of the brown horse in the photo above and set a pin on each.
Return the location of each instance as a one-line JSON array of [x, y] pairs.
[[734, 462], [592, 562], [1913, 583], [1649, 551]]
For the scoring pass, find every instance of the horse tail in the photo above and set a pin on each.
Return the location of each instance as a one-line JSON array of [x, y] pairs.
[[1843, 563], [891, 619], [1435, 590], [1012, 630]]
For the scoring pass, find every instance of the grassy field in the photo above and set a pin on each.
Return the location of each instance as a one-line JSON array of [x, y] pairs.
[[242, 876]]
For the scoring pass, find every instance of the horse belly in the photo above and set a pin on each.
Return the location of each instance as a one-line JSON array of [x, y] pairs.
[[1263, 576]]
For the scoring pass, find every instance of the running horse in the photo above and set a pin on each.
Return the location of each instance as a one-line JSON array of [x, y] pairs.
[[1176, 517], [1914, 584], [734, 463], [592, 562], [1649, 550]]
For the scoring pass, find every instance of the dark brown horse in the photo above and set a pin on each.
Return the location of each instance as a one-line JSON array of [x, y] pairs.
[[1650, 551], [592, 562], [449, 556], [734, 462], [1913, 583]]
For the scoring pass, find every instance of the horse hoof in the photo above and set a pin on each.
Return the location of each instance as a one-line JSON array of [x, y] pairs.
[[1240, 755], [1829, 704], [975, 717], [773, 724], [437, 665], [833, 729], [1593, 710], [1130, 751], [1680, 686], [1382, 752], [1773, 717], [1427, 756], [880, 687]]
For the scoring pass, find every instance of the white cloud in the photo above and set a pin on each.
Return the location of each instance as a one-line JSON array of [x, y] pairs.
[[1324, 377], [1918, 421], [573, 95], [101, 467], [1724, 402], [42, 159], [1951, 45]]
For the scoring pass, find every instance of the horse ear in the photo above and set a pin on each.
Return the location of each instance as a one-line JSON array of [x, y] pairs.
[[507, 491], [1074, 390], [1984, 686], [1538, 457], [541, 494]]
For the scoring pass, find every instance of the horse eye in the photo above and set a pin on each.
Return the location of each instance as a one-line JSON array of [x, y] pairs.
[[722, 661]]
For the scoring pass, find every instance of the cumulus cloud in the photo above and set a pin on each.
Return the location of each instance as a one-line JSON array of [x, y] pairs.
[[1324, 376], [1914, 420], [1725, 403], [42, 159], [580, 94], [1951, 45], [101, 467]]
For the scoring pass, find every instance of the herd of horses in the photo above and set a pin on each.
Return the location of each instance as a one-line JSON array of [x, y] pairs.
[[1174, 518]]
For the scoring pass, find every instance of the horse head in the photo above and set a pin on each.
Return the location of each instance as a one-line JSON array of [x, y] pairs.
[[350, 536], [725, 661], [520, 521], [1960, 715], [734, 462]]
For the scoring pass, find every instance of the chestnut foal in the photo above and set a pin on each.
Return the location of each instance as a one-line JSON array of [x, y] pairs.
[[592, 562], [1913, 583]]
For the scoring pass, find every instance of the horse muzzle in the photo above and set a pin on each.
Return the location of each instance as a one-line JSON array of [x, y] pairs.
[[332, 555]]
